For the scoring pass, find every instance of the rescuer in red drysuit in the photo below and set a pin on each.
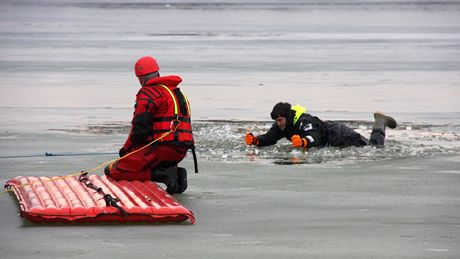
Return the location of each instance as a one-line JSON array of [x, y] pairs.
[[160, 107]]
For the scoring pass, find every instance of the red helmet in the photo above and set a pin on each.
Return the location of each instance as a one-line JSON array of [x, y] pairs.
[[146, 65]]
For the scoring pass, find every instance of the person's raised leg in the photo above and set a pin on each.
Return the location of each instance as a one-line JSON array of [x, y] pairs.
[[381, 121]]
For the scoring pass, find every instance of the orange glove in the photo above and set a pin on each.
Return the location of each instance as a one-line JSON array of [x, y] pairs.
[[297, 141], [250, 139]]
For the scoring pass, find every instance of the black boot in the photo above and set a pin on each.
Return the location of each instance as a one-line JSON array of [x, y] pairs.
[[182, 179], [108, 169], [168, 176], [378, 130]]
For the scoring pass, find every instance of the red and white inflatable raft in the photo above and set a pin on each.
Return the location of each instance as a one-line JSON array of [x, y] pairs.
[[93, 199]]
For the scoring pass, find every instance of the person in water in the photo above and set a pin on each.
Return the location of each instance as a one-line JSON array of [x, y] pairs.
[[305, 130]]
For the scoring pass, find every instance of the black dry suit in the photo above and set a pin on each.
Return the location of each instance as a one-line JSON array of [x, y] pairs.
[[318, 133]]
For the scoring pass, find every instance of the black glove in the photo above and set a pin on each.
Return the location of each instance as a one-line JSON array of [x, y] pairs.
[[122, 152]]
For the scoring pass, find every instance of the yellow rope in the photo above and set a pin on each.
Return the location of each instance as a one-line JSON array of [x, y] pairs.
[[97, 167]]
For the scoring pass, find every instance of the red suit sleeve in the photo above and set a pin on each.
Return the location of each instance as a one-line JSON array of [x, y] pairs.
[[141, 124]]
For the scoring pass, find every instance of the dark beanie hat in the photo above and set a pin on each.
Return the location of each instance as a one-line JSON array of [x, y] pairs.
[[281, 109]]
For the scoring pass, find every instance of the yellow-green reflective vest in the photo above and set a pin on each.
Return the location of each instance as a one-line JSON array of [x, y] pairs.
[[299, 110]]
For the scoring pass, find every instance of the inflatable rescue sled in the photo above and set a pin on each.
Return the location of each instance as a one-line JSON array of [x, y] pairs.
[[94, 198]]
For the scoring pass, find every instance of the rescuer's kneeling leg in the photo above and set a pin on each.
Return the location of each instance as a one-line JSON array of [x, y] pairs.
[[130, 168], [118, 174]]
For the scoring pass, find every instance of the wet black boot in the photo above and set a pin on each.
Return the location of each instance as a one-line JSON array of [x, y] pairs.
[[182, 179], [108, 169], [378, 130], [168, 176]]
